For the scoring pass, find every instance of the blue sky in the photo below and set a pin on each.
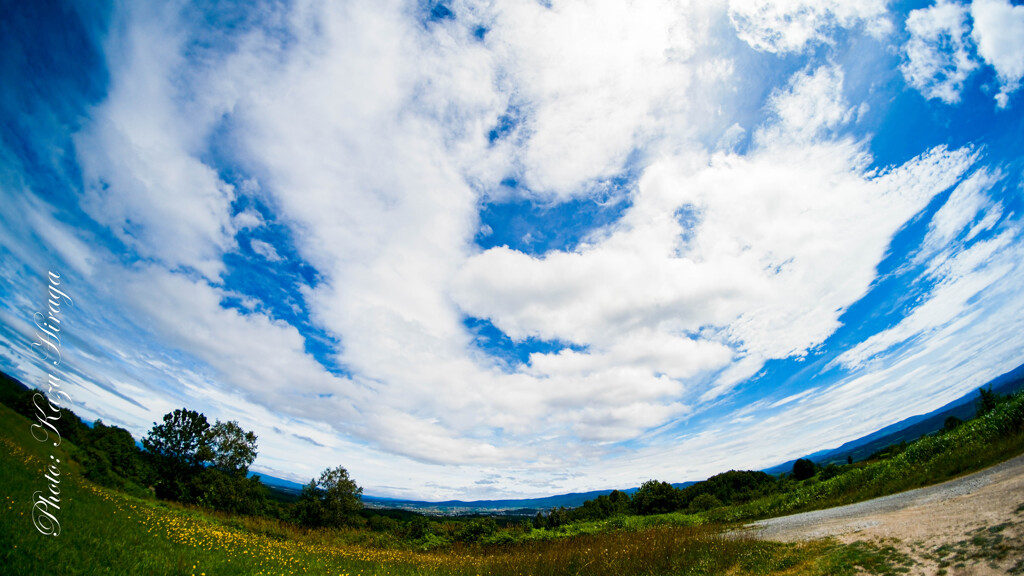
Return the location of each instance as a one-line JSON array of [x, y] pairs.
[[497, 249]]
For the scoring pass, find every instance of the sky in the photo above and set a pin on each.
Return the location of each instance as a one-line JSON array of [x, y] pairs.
[[513, 248]]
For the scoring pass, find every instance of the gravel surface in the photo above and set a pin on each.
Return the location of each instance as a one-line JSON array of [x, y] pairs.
[[857, 517], [970, 526]]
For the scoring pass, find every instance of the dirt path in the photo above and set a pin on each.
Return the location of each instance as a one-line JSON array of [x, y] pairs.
[[970, 525]]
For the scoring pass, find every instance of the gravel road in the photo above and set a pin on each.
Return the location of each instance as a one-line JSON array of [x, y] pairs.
[[989, 497]]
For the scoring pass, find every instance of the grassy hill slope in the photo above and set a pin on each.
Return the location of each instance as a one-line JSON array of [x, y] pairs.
[[108, 532]]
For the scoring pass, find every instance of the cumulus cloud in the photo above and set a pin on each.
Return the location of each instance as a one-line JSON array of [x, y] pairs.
[[765, 271], [811, 108], [938, 53], [794, 25], [999, 34], [595, 80]]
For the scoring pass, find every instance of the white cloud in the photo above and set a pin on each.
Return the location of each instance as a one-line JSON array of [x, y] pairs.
[[595, 82], [138, 157], [765, 272], [962, 271], [783, 26], [938, 52], [265, 249], [589, 75], [963, 206], [999, 33], [385, 214], [811, 108], [248, 219]]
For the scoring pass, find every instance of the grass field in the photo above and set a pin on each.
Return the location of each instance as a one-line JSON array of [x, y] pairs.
[[108, 532]]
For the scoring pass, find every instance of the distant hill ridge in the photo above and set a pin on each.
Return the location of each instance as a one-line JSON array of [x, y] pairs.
[[912, 428], [571, 500], [908, 429]]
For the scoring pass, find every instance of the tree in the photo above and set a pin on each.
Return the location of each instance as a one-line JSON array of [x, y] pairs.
[[233, 449], [604, 506], [421, 527], [231, 492], [111, 458], [558, 517], [803, 469], [333, 500], [476, 530], [180, 449], [204, 464], [951, 423], [655, 497], [732, 487], [830, 471], [539, 521], [183, 439], [986, 402]]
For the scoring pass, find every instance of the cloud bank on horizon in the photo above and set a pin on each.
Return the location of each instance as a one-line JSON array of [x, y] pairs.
[[503, 248]]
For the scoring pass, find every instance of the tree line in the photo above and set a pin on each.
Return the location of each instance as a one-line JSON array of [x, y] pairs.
[[187, 459], [657, 497]]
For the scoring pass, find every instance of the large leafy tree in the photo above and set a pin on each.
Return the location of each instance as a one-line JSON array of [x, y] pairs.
[[204, 464], [181, 441], [655, 497], [179, 448]]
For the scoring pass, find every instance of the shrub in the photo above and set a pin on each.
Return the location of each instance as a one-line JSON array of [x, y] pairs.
[[803, 469], [704, 502]]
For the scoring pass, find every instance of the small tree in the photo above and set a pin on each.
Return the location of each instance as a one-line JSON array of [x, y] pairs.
[[539, 521], [830, 471], [476, 530], [333, 500], [803, 469], [951, 423], [986, 402]]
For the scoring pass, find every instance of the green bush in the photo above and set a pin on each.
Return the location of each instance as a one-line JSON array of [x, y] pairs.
[[704, 502]]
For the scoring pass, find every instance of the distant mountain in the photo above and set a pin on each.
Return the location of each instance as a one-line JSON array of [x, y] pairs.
[[279, 483], [454, 506], [912, 428], [532, 505]]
